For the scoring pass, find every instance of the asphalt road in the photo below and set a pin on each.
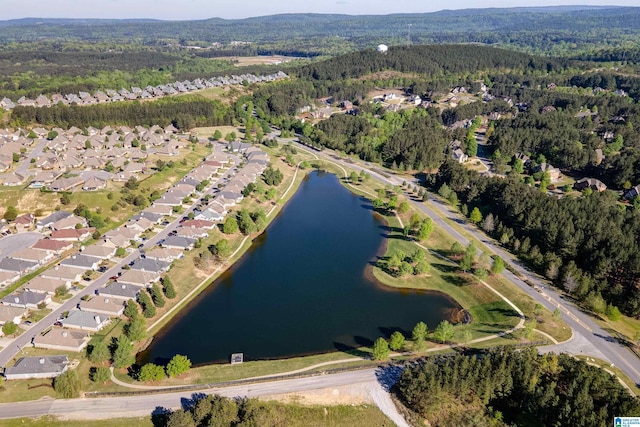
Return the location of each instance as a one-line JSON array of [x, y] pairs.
[[17, 242], [7, 353], [111, 407], [603, 343]]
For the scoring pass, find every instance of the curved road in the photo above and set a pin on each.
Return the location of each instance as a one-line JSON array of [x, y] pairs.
[[603, 344]]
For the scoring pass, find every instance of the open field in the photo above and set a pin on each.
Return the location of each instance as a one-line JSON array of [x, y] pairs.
[[245, 61]]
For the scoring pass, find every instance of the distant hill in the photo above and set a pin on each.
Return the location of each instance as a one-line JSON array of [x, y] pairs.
[[528, 28]]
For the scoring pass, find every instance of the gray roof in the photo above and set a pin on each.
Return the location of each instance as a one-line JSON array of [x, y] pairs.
[[150, 265], [17, 265], [54, 217], [83, 261], [84, 319], [54, 365], [177, 241], [121, 290], [27, 297], [153, 217]]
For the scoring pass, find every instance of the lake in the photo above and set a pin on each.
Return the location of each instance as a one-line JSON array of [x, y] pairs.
[[301, 288]]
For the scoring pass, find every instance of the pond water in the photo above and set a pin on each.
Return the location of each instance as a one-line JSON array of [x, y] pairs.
[[301, 288]]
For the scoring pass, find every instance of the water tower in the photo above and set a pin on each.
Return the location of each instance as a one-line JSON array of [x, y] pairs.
[[383, 48]]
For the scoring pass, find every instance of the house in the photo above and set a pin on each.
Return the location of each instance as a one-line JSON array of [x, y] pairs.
[[151, 265], [459, 156], [169, 200], [8, 277], [592, 183], [66, 184], [24, 222], [103, 305], [101, 251], [19, 266], [116, 241], [120, 290], [62, 339], [193, 233], [37, 367], [85, 320], [53, 218], [139, 277], [164, 210], [554, 173], [196, 223], [153, 217], [54, 246], [68, 222], [46, 285], [35, 255], [73, 234], [176, 242], [164, 254], [65, 272], [632, 193], [141, 224], [83, 262], [599, 156], [210, 215], [26, 299], [12, 314], [94, 183]]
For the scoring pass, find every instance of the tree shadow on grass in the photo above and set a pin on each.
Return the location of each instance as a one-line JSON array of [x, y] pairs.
[[355, 348], [457, 280], [445, 268], [505, 312]]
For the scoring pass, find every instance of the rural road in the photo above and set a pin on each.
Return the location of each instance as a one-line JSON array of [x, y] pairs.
[[110, 407], [603, 344]]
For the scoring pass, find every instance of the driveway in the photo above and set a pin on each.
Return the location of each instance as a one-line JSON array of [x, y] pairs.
[[17, 242]]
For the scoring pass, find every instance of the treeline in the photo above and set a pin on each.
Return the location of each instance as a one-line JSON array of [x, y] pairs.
[[411, 139], [433, 60], [588, 245], [513, 388], [183, 113]]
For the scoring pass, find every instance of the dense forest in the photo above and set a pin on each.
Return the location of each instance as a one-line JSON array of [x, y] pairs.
[[513, 388], [184, 113], [589, 245]]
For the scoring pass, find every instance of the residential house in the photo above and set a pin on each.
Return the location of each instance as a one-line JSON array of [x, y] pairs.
[[24, 222], [82, 262], [64, 272], [554, 173], [19, 266], [66, 184], [53, 218], [47, 285], [632, 193], [12, 314], [195, 223], [37, 367], [164, 210], [62, 339], [459, 156], [153, 217], [13, 179], [85, 320], [35, 255], [94, 183], [177, 242], [103, 305], [8, 277], [164, 254], [211, 215], [141, 224], [73, 234], [55, 246], [69, 222], [99, 250], [139, 277], [26, 299], [192, 233], [152, 265], [592, 183], [122, 291]]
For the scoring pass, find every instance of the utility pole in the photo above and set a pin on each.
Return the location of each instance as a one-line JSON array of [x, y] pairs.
[[409, 34]]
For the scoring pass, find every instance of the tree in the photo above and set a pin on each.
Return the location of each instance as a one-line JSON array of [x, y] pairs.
[[353, 177], [488, 224], [131, 310], [99, 352], [148, 309], [178, 364], [498, 265], [472, 146], [151, 372], [518, 166], [156, 295], [403, 208], [272, 176], [122, 353], [121, 252], [135, 329], [425, 230], [67, 384], [380, 349], [230, 225], [613, 313], [419, 332], [9, 328], [475, 216], [415, 221], [230, 137], [11, 213], [245, 222], [168, 288], [16, 157], [132, 183], [217, 135], [444, 331], [397, 341], [65, 199], [270, 194], [469, 255], [100, 374], [180, 418]]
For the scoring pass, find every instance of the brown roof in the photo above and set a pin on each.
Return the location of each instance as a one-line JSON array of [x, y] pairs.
[[197, 223], [71, 233], [51, 245]]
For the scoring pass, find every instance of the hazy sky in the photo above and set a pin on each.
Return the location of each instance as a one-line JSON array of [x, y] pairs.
[[202, 9]]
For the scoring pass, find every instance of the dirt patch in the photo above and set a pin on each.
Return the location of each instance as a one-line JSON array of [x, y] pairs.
[[356, 394], [245, 61]]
